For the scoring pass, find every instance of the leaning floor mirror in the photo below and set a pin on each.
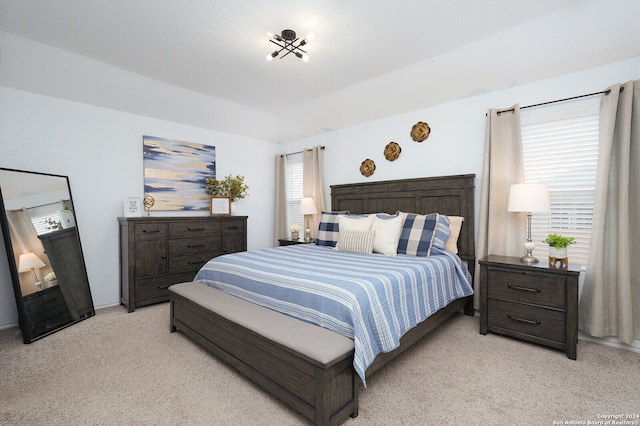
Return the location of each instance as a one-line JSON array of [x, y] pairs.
[[44, 252]]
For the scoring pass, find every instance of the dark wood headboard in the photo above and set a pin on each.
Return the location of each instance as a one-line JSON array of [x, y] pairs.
[[449, 195]]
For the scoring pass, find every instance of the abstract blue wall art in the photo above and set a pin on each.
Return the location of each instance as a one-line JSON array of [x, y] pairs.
[[174, 173]]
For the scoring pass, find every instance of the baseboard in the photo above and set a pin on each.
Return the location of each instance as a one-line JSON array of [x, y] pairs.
[[611, 341], [5, 326]]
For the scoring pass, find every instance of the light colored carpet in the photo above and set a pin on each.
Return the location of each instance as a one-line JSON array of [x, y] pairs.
[[120, 368]]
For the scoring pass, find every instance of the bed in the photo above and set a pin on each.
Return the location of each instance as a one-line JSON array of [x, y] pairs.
[[336, 380]]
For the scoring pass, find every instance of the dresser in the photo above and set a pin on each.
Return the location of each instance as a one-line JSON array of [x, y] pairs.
[[46, 310], [157, 252], [533, 302]]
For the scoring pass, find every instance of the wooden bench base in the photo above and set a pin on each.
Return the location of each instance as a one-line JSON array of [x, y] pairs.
[[307, 367]]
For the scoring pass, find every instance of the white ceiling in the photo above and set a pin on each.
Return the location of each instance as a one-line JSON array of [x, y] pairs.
[[218, 47]]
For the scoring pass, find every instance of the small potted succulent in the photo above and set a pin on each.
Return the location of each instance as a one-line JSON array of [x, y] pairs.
[[558, 246]]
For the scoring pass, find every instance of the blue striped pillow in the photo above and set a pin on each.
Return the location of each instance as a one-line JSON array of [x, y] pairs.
[[328, 228], [421, 232]]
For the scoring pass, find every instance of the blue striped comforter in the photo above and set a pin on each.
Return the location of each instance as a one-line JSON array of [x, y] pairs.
[[372, 299]]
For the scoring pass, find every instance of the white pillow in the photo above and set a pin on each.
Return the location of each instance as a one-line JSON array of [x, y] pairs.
[[455, 223], [355, 241], [387, 234], [355, 223]]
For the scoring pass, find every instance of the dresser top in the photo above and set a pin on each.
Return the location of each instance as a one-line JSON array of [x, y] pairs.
[[541, 266], [182, 218]]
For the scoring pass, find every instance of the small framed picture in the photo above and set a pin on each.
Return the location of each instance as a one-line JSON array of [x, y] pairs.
[[132, 207], [220, 206]]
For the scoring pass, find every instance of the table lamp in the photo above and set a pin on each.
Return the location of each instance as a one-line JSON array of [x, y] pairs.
[[529, 198], [307, 207], [31, 262]]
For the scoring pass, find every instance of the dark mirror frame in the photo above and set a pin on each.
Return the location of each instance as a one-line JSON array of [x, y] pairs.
[[30, 313]]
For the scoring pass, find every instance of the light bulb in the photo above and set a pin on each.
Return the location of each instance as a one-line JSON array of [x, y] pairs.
[[305, 58], [270, 56]]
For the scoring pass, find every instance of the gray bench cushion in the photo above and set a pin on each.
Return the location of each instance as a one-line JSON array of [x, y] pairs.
[[311, 340]]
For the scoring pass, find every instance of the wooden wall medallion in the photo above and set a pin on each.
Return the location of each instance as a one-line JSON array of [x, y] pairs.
[[420, 131], [367, 167], [392, 151]]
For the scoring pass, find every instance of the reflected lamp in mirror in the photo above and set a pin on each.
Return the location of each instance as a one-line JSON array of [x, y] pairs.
[[307, 207], [31, 262], [529, 198]]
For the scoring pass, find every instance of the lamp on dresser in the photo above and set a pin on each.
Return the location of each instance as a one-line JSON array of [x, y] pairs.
[[31, 262], [307, 207], [529, 198]]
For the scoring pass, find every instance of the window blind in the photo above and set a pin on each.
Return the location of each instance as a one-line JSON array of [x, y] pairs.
[[295, 189], [561, 149]]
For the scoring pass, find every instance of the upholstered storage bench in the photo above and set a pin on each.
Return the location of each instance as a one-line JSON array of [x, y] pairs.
[[307, 367]]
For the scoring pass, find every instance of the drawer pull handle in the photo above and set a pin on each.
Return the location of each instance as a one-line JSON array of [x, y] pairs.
[[530, 290], [195, 245], [195, 229], [151, 231], [232, 227], [199, 262], [536, 322], [163, 287]]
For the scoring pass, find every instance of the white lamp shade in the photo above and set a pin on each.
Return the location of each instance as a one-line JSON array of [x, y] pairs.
[[529, 197], [29, 261], [307, 206]]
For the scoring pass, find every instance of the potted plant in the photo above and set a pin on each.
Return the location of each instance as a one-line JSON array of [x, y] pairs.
[[558, 247], [230, 186], [295, 232]]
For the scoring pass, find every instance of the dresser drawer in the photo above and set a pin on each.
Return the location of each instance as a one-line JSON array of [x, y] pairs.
[[193, 229], [195, 245], [155, 289], [233, 227], [531, 320], [191, 262], [539, 289], [150, 231]]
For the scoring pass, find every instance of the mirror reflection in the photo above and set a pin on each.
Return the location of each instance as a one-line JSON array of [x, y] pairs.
[[44, 252]]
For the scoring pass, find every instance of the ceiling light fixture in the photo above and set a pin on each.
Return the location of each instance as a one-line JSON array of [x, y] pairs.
[[287, 41]]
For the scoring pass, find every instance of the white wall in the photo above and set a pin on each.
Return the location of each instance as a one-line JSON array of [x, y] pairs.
[[38, 68], [456, 143], [101, 152]]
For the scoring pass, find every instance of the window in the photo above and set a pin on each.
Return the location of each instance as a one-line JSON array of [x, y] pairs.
[[295, 191], [560, 148], [45, 219]]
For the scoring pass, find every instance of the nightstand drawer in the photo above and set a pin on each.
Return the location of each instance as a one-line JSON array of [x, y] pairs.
[[538, 289], [531, 320]]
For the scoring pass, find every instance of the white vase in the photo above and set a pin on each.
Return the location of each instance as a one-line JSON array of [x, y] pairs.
[[295, 236], [558, 253], [558, 256]]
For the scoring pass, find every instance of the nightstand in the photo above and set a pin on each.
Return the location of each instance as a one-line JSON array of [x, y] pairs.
[[287, 242], [533, 302]]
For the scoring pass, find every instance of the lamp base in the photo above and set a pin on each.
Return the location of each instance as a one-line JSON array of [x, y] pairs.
[[529, 258]]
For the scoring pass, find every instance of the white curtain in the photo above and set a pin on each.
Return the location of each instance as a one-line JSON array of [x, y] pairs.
[[24, 239], [500, 232], [610, 302], [313, 164], [280, 226]]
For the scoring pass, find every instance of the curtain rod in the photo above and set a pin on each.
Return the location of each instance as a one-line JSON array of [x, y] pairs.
[[298, 152], [604, 92]]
